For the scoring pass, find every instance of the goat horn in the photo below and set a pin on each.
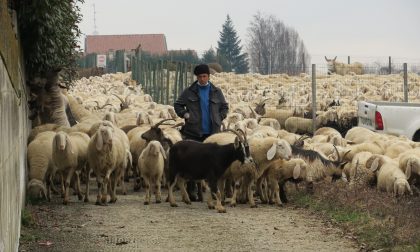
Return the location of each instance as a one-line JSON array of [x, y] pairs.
[[177, 125], [244, 134], [338, 154], [164, 120], [119, 98]]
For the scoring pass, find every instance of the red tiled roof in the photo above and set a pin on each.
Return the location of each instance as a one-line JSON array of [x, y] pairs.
[[152, 43]]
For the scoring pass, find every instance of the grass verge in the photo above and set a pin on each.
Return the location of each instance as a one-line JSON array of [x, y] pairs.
[[376, 220]]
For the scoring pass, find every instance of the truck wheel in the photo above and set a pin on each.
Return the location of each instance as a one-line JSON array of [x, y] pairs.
[[416, 137]]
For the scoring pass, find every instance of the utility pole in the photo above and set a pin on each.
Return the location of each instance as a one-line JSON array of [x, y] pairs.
[[95, 32]]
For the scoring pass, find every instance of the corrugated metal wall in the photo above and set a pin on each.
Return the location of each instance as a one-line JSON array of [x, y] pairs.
[[14, 127]]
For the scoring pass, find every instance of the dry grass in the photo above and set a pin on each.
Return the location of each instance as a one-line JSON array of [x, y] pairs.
[[376, 219]]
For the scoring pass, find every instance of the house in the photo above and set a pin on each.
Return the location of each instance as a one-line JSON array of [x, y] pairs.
[[101, 44]]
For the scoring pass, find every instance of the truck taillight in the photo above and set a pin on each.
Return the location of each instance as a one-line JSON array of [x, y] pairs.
[[378, 121]]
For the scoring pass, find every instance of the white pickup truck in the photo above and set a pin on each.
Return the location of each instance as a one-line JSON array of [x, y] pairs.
[[395, 118]]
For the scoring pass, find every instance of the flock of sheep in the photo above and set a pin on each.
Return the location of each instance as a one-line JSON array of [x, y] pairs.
[[123, 134]]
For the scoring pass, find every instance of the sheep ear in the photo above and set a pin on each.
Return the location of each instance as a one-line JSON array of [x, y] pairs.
[[296, 172], [54, 143], [162, 151], [99, 141], [272, 151], [408, 169], [375, 165], [236, 144], [344, 177]]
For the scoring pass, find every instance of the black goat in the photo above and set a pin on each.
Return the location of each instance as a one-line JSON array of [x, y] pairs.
[[191, 160]]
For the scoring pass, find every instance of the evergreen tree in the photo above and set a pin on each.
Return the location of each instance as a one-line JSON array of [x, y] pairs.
[[209, 56], [229, 49]]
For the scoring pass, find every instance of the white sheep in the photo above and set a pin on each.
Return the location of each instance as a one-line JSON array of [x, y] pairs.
[[40, 165], [357, 173], [279, 172], [69, 155], [390, 178], [409, 163], [151, 166], [107, 157]]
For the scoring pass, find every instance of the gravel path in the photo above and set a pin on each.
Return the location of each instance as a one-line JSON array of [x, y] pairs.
[[129, 225]]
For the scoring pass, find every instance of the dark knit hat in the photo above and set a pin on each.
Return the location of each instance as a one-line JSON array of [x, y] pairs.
[[202, 69]]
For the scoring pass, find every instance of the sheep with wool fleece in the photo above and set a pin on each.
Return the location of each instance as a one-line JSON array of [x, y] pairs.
[[409, 163], [107, 158], [395, 148], [151, 167], [40, 165], [69, 156], [279, 172], [390, 177]]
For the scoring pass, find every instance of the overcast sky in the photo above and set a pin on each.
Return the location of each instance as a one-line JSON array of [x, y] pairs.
[[365, 29]]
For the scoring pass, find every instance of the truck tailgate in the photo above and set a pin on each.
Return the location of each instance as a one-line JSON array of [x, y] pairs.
[[366, 115]]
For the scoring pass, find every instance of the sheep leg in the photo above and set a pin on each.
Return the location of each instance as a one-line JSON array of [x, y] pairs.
[[260, 191], [78, 189], [184, 193], [113, 186], [158, 193], [171, 198], [250, 193], [147, 193], [87, 186], [68, 178], [283, 197], [235, 192], [277, 194], [99, 196], [63, 187]]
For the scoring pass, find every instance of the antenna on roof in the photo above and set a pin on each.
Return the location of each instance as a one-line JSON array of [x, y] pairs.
[[95, 32]]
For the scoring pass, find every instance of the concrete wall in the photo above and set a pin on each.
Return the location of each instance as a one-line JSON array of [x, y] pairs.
[[14, 127]]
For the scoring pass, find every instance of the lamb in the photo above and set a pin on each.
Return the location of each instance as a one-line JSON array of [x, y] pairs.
[[343, 69], [273, 123], [107, 158], [279, 172], [69, 155], [359, 134], [389, 176], [186, 162], [41, 167], [151, 165], [331, 136]]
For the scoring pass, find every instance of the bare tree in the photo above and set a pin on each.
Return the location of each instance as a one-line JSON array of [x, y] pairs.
[[275, 48]]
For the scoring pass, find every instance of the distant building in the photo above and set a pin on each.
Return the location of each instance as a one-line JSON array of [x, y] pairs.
[[152, 43]]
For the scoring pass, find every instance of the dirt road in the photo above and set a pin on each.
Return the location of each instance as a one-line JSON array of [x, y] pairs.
[[129, 225]]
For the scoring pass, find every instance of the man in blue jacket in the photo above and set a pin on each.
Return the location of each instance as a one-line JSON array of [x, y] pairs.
[[203, 107]]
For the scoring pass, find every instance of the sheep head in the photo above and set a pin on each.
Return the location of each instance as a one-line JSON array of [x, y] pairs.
[[401, 186], [331, 65], [155, 148], [299, 171], [280, 148], [104, 137], [412, 166]]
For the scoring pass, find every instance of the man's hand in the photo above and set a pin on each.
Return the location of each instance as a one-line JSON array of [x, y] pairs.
[[186, 115]]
